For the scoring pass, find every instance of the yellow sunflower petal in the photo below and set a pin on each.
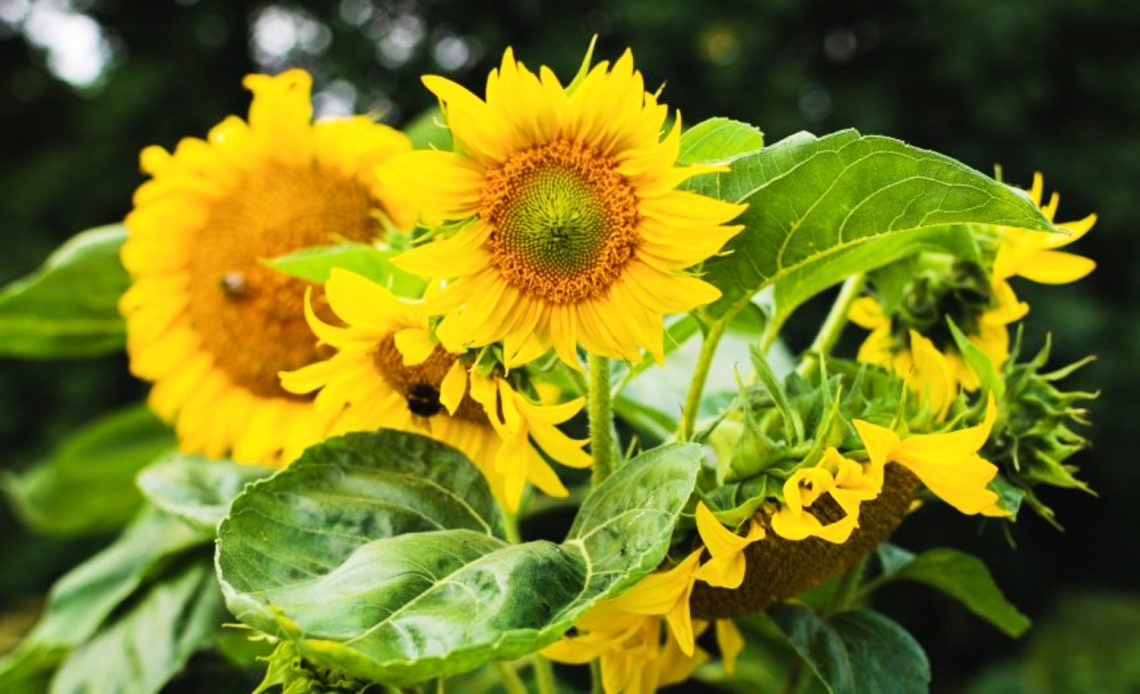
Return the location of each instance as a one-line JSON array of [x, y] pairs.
[[454, 386], [731, 643]]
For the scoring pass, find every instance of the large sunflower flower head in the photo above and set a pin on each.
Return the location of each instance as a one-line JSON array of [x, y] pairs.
[[573, 231], [207, 322], [387, 371]]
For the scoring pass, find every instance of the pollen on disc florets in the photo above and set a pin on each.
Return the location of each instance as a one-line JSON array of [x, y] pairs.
[[421, 384], [564, 221]]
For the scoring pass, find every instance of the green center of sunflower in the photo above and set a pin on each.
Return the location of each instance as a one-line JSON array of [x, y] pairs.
[[564, 221], [555, 223]]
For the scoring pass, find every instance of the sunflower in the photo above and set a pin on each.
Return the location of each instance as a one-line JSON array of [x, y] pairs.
[[388, 372], [206, 321], [571, 228]]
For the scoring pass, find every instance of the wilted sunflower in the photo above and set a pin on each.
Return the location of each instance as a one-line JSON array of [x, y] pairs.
[[833, 511], [387, 372], [206, 321], [575, 231]]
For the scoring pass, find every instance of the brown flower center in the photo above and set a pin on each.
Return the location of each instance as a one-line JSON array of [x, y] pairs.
[[248, 316], [564, 221], [779, 569], [420, 384]]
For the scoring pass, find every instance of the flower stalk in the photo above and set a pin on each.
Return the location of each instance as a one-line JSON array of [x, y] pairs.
[[601, 413], [700, 374]]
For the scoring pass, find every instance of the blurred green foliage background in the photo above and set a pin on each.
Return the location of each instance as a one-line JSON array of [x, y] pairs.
[[1050, 85]]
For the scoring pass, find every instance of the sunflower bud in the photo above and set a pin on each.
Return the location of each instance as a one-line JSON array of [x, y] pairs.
[[1036, 438]]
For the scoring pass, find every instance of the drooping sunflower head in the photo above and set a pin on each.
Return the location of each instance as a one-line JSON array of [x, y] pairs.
[[387, 371], [575, 231], [207, 321]]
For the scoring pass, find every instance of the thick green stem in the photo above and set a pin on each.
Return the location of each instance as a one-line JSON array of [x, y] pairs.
[[601, 411], [833, 325], [511, 680], [544, 676], [700, 374]]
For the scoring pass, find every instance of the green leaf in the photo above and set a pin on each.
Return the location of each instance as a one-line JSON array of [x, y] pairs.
[[719, 141], [81, 601], [87, 485], [423, 604], [963, 577], [69, 307], [977, 360], [883, 656], [145, 646], [429, 130], [815, 201], [343, 493], [316, 264], [854, 651], [195, 489]]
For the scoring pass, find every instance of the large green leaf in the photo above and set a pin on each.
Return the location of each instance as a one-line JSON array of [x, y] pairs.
[[855, 651], [719, 141], [961, 576], [315, 264], [343, 493], [81, 601], [812, 202], [69, 307], [149, 643], [87, 485], [423, 604], [195, 489]]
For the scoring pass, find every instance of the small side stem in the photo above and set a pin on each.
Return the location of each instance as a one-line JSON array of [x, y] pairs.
[[701, 374], [544, 676], [833, 325], [601, 412], [511, 679]]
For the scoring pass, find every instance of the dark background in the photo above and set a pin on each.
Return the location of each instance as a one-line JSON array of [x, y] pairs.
[[1046, 85]]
